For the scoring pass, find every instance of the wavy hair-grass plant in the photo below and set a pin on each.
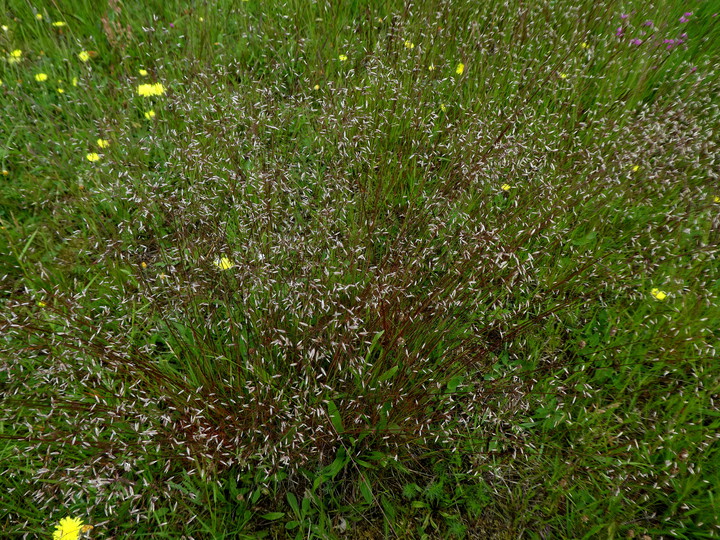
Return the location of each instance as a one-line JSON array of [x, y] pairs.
[[378, 267]]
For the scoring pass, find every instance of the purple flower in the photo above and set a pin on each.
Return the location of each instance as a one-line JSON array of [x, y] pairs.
[[624, 15], [693, 69], [686, 17], [636, 41], [620, 31], [648, 23], [172, 25]]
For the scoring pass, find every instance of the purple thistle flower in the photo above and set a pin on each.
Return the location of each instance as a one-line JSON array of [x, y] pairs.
[[172, 25]]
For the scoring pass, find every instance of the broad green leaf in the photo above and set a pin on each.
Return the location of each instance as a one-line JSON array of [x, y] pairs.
[[454, 382], [365, 489], [293, 502], [335, 417], [388, 374]]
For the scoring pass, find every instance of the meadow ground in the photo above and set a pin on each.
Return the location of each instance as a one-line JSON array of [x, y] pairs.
[[314, 269]]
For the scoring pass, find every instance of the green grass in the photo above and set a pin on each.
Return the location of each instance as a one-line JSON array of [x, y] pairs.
[[441, 318]]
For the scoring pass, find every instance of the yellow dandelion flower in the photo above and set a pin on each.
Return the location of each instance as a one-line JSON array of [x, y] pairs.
[[505, 187], [84, 56], [38, 16], [223, 263], [563, 75], [74, 81], [584, 45], [41, 77], [60, 91], [59, 24], [143, 72], [316, 87], [150, 114], [147, 90], [409, 45], [103, 143], [143, 264], [15, 56], [658, 294], [460, 69], [93, 156], [635, 168], [68, 529], [342, 58]]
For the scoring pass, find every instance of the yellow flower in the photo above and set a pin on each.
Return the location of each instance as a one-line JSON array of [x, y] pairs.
[[584, 45], [505, 187], [342, 57], [460, 69], [1, 83], [103, 143], [316, 87], [409, 45], [92, 156], [150, 114], [143, 264], [60, 91], [4, 27], [84, 56], [146, 90], [40, 77], [38, 16], [59, 24], [563, 75], [223, 263], [431, 67], [74, 81], [635, 168], [715, 198], [68, 529], [15, 56], [5, 172], [202, 19], [443, 108], [657, 293], [41, 304], [143, 72]]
